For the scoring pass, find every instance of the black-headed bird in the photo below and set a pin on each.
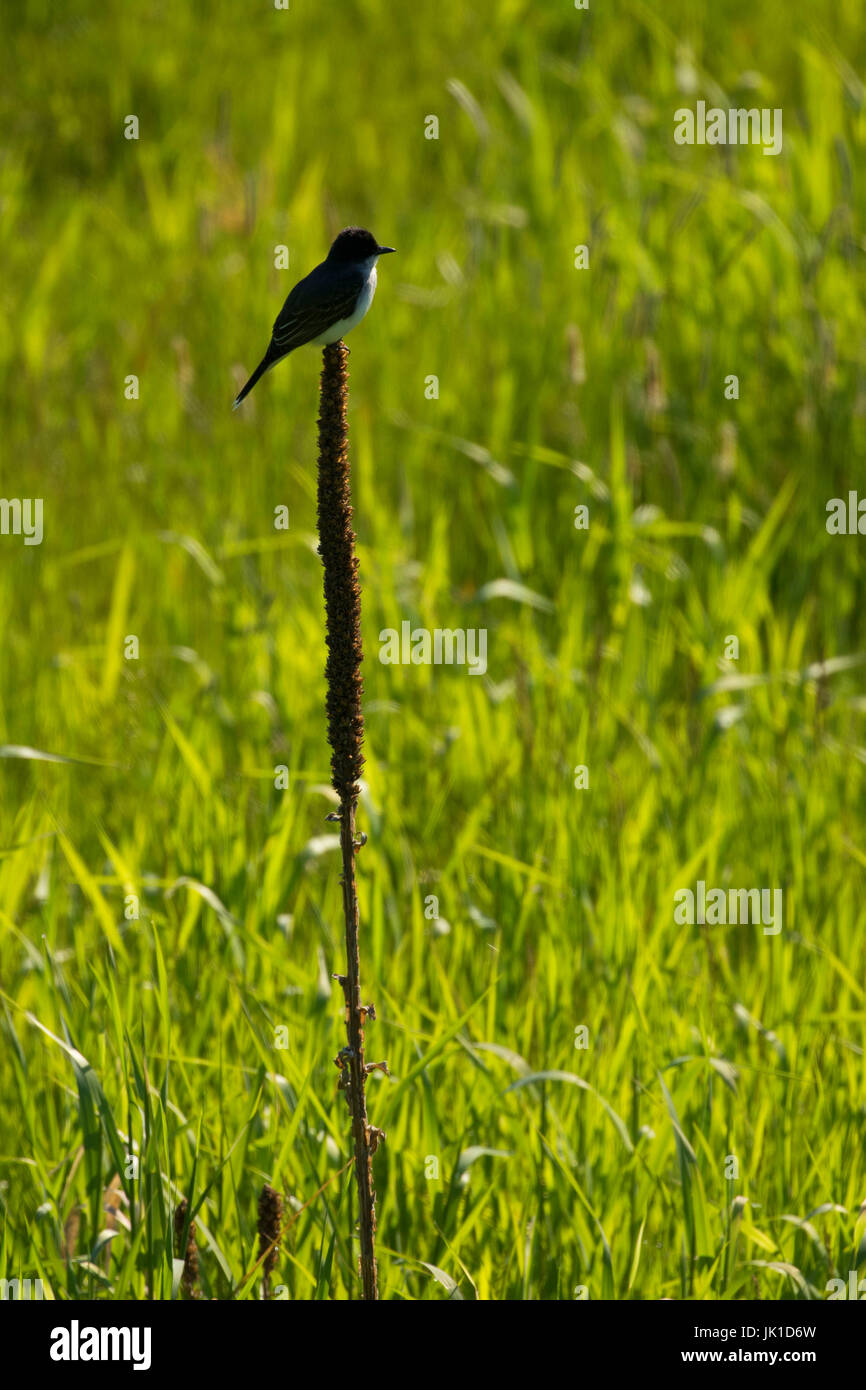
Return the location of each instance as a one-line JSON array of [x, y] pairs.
[[327, 303]]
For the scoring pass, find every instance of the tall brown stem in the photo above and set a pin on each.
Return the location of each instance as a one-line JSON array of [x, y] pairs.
[[345, 735]]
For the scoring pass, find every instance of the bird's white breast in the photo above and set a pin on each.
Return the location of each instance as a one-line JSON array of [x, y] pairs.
[[365, 299]]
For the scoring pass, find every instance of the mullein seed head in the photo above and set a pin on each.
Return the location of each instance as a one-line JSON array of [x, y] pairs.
[[189, 1278], [342, 590], [270, 1222]]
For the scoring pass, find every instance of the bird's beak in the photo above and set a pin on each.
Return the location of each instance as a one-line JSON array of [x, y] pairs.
[[383, 250]]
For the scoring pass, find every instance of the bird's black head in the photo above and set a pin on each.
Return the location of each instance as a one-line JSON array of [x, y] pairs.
[[355, 244]]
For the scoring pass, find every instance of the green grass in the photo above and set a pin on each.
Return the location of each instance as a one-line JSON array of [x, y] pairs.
[[558, 1168]]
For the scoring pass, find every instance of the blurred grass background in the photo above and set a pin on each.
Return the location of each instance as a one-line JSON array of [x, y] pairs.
[[558, 387]]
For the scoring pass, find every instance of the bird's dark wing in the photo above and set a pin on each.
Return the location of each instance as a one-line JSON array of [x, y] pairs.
[[316, 302]]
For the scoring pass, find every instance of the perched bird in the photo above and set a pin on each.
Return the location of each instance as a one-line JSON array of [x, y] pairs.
[[327, 303]]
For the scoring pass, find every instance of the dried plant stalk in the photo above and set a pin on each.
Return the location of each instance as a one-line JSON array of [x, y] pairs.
[[345, 735], [269, 1229], [186, 1251]]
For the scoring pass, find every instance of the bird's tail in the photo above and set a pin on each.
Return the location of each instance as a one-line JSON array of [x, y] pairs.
[[264, 366]]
